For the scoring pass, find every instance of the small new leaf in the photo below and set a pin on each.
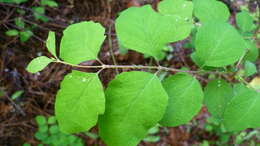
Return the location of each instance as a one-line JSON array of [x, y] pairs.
[[38, 64], [51, 43], [250, 68], [25, 35], [12, 32], [245, 22], [17, 94], [50, 3]]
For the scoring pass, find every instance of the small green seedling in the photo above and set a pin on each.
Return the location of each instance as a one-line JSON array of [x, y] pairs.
[[48, 133], [25, 31]]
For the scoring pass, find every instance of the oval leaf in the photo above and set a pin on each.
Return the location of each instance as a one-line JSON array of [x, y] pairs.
[[150, 32], [38, 64], [219, 44], [135, 102], [243, 110], [12, 32], [210, 10], [181, 8], [180, 13], [51, 43], [81, 42], [250, 68], [253, 52], [217, 94], [185, 99], [245, 22], [79, 102]]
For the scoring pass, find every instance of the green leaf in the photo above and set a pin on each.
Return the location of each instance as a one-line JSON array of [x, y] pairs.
[[135, 102], [79, 102], [185, 99], [253, 53], [25, 35], [196, 59], [26, 144], [244, 21], [210, 10], [19, 23], [49, 3], [180, 8], [17, 94], [243, 110], [180, 13], [40, 120], [38, 13], [12, 32], [38, 64], [217, 94], [219, 44], [81, 42], [250, 68], [51, 43], [43, 128], [54, 129], [41, 136], [14, 1], [149, 32], [51, 120]]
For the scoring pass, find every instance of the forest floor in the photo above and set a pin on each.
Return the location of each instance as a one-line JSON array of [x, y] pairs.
[[17, 124]]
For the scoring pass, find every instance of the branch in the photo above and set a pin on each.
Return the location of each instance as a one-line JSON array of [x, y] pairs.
[[159, 68]]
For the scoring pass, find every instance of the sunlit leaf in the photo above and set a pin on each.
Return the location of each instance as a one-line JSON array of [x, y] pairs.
[[79, 102], [211, 10], [81, 42], [135, 102], [185, 99], [38, 64], [219, 44]]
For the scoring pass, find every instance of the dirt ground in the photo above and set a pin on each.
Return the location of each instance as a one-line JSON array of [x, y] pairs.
[[17, 123]]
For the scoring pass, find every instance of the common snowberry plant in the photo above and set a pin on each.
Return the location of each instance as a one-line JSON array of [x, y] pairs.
[[135, 101]]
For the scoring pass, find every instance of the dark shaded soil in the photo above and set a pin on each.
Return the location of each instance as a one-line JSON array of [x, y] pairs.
[[17, 123]]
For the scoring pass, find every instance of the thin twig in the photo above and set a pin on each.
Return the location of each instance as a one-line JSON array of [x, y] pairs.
[[111, 47], [160, 68]]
